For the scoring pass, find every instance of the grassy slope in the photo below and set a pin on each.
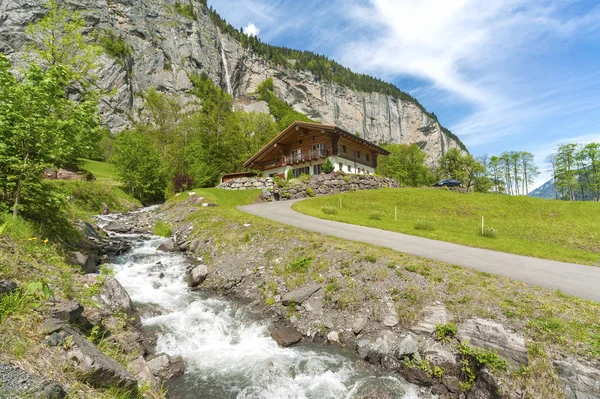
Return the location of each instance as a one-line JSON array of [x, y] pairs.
[[104, 172], [551, 321], [563, 231]]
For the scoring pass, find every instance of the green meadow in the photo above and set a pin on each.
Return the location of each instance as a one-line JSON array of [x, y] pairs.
[[549, 229]]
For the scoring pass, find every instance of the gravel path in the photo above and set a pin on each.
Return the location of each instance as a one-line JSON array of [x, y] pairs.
[[578, 280]]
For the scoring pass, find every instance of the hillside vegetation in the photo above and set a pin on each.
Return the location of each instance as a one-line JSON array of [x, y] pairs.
[[522, 225]]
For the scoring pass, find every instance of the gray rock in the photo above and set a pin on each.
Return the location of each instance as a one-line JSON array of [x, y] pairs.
[[408, 346], [439, 354], [66, 311], [52, 325], [142, 372], [491, 335], [286, 336], [300, 295], [7, 286], [87, 261], [89, 231], [359, 324], [118, 227], [99, 370], [165, 367], [168, 246], [391, 319], [53, 340], [116, 298], [432, 316], [377, 346], [580, 381], [16, 383], [333, 336], [197, 276]]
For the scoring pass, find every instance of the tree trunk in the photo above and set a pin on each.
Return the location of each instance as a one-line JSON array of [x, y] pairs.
[[16, 203]]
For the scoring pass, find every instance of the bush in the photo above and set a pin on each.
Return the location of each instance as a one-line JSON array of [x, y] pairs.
[[327, 167], [489, 232], [185, 10], [182, 182], [289, 175], [376, 215], [445, 332], [162, 228], [310, 192], [329, 210], [115, 46], [422, 224], [299, 265]]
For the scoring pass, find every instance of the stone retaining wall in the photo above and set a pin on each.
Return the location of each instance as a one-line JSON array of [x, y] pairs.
[[325, 184]]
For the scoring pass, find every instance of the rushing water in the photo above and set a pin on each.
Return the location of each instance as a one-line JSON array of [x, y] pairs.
[[227, 352]]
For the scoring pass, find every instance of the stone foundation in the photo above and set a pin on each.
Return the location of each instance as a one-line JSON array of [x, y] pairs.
[[325, 184]]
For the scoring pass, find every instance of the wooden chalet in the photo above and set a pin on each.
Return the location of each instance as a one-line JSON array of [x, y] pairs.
[[304, 147]]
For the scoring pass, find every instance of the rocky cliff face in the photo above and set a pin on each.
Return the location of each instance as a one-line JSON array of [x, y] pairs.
[[168, 46]]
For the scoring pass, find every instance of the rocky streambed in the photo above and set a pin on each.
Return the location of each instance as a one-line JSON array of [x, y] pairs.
[[226, 346]]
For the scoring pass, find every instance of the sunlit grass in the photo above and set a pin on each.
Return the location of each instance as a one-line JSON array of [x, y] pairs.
[[558, 230]]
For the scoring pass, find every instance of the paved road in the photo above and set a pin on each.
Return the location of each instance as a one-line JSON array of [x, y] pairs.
[[578, 280]]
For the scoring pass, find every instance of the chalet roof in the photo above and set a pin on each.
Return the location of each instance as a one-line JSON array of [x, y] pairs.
[[330, 129]]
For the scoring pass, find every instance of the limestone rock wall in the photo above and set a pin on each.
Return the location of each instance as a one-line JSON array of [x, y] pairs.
[[167, 47]]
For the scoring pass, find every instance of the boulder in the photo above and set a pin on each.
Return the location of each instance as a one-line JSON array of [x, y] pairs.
[[52, 325], [116, 298], [67, 311], [408, 346], [88, 261], [7, 286], [300, 295], [286, 336], [16, 383], [359, 324], [391, 319], [118, 227], [168, 246], [377, 347], [165, 367], [142, 372], [197, 276], [491, 335], [580, 381], [439, 354], [432, 316], [333, 336], [98, 369]]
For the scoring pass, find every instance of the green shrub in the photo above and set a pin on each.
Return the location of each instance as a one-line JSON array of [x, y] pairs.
[[310, 192], [304, 178], [370, 259], [445, 332], [474, 359], [489, 232], [376, 215], [162, 228], [299, 265], [327, 166], [289, 175], [329, 210], [115, 46], [185, 10], [422, 224]]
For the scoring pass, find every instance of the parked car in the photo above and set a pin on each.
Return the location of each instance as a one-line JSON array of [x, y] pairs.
[[448, 183]]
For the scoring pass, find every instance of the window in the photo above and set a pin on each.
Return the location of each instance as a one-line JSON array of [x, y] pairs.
[[319, 150], [299, 141], [343, 148], [317, 169], [301, 171], [314, 138], [349, 168], [358, 154], [341, 167], [367, 155]]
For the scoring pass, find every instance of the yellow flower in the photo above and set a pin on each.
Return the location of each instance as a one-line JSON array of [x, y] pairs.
[[33, 239], [46, 241]]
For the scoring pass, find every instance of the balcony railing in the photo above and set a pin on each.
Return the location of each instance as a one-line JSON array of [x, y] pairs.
[[295, 158]]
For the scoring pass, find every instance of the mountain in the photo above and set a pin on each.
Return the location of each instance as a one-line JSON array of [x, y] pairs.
[[546, 190], [161, 43]]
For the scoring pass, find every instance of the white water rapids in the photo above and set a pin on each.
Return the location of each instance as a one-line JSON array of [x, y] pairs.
[[227, 352]]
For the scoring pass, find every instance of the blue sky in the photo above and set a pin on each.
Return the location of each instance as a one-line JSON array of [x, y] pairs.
[[501, 74]]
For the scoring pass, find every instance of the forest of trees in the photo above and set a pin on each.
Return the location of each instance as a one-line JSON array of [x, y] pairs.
[[576, 171], [511, 172]]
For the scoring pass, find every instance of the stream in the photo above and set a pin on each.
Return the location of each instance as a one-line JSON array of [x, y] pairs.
[[227, 350]]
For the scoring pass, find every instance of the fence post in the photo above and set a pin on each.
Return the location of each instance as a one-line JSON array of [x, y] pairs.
[[482, 226], [340, 202], [396, 212]]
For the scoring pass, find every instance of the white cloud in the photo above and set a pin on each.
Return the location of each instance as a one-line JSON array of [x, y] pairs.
[[251, 30]]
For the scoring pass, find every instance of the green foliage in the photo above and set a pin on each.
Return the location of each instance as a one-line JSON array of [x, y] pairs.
[[370, 258], [445, 332], [139, 166], [299, 265], [406, 164], [23, 299], [39, 127], [474, 359], [327, 166], [329, 210], [163, 229], [310, 192], [423, 224], [376, 215], [290, 175], [463, 168], [489, 232], [283, 113], [186, 10], [115, 46]]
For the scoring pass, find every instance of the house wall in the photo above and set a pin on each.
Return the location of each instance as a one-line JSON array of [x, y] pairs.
[[355, 168]]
